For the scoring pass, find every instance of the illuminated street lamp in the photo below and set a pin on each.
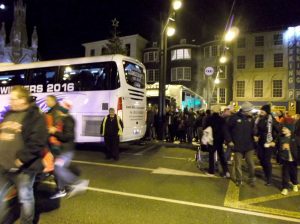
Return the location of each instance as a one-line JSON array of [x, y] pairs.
[[2, 7], [168, 29], [231, 34], [223, 59]]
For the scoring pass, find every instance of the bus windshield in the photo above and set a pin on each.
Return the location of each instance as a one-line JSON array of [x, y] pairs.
[[134, 74]]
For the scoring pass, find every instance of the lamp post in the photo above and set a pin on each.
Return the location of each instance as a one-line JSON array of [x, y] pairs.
[[166, 31]]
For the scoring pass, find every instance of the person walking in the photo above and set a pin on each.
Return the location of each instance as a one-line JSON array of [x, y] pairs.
[[63, 175], [112, 129], [23, 139], [267, 133], [240, 136]]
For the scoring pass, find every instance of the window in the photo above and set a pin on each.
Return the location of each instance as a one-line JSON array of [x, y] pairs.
[[278, 60], [222, 72], [240, 88], [259, 61], [259, 41], [152, 75], [181, 74], [214, 97], [241, 62], [91, 76], [241, 43], [277, 88], [222, 95], [42, 76], [258, 88], [151, 56], [92, 52], [134, 75], [127, 49], [181, 54], [278, 40], [11, 78], [214, 51], [207, 52]]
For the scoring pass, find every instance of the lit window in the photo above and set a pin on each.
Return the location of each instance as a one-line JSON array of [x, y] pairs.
[[181, 54], [240, 88], [222, 95], [181, 74], [258, 88], [277, 88]]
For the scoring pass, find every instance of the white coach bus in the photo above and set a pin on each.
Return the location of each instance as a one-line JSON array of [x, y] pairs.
[[92, 84]]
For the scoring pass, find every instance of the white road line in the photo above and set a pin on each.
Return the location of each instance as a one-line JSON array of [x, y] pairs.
[[214, 207]]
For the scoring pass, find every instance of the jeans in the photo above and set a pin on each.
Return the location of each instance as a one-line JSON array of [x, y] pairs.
[[289, 172], [24, 182], [212, 149], [62, 173], [265, 156]]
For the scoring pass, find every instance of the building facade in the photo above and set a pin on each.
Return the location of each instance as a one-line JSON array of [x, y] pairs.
[[261, 70], [133, 44], [18, 50]]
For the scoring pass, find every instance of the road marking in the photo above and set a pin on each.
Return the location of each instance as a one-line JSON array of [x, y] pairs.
[[269, 198], [214, 207], [232, 201], [141, 153], [159, 170], [179, 158]]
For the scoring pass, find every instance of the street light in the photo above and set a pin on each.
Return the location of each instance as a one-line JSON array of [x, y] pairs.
[[223, 59], [231, 34], [2, 6], [168, 29]]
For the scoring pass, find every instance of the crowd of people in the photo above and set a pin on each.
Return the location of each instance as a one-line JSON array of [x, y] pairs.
[[237, 135]]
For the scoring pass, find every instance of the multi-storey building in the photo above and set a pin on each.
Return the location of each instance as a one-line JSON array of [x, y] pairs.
[[215, 92], [133, 44], [267, 68]]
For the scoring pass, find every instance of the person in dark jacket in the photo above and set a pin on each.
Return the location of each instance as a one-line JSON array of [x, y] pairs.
[[23, 138], [267, 133], [240, 137], [217, 123], [112, 129], [64, 176], [288, 154]]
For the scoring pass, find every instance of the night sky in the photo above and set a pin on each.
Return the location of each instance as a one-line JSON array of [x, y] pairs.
[[63, 25]]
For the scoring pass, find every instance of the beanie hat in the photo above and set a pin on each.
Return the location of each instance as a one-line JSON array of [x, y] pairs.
[[247, 106], [266, 108]]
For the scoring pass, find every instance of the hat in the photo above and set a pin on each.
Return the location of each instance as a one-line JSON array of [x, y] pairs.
[[247, 106], [266, 108]]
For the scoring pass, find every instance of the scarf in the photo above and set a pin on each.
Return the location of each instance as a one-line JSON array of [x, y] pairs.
[[269, 126]]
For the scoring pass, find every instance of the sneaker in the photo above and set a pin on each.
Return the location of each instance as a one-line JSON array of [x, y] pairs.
[[295, 188], [59, 194], [284, 191], [78, 188], [227, 175]]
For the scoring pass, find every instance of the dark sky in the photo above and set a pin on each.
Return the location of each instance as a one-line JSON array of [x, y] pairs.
[[63, 25]]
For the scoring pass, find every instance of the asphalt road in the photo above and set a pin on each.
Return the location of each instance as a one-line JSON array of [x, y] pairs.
[[160, 183]]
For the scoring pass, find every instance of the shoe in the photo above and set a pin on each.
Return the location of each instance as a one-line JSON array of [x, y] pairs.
[[268, 184], [295, 188], [79, 188], [60, 194], [284, 191], [227, 175]]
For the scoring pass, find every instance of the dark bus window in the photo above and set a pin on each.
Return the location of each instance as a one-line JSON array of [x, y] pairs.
[[12, 78], [134, 75], [93, 76], [42, 76]]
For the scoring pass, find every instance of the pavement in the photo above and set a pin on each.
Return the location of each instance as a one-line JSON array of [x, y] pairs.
[[157, 183]]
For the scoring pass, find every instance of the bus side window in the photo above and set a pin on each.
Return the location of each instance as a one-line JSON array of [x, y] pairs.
[[42, 76], [12, 78]]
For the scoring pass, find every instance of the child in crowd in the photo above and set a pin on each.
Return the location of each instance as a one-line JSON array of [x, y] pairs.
[[288, 156]]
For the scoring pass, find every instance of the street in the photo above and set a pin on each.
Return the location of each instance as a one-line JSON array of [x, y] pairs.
[[160, 183]]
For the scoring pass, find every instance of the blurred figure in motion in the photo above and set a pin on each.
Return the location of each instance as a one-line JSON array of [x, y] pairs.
[[23, 137], [65, 178], [112, 129]]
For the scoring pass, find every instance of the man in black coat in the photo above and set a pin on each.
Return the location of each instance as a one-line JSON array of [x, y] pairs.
[[267, 133], [240, 137], [23, 137], [112, 129]]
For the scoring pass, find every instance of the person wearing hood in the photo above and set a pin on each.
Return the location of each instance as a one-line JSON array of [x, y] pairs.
[[267, 131]]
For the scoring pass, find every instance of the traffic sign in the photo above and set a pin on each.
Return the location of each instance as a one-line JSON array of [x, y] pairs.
[[209, 71]]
